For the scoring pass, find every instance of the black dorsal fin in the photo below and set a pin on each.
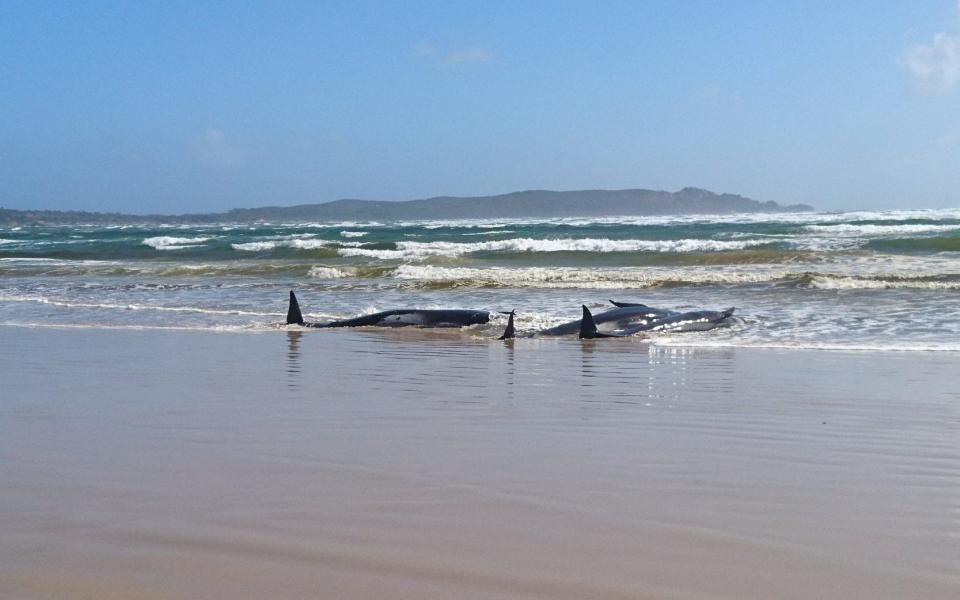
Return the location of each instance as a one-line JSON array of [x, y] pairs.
[[509, 333], [627, 304], [293, 312], [588, 328]]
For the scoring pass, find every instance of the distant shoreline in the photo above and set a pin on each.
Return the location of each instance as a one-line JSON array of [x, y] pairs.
[[525, 204]]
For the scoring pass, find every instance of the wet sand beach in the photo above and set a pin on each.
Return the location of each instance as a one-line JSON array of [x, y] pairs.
[[412, 464]]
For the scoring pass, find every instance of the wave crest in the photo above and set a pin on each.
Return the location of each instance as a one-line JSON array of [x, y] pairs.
[[298, 243], [870, 229], [420, 250], [636, 278], [166, 242]]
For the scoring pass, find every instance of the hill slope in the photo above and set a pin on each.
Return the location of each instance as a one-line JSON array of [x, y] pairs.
[[532, 203]]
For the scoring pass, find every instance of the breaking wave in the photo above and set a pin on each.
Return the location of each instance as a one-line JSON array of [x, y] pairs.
[[165, 242], [569, 277], [133, 306], [640, 278], [879, 280], [854, 229], [492, 232], [297, 243], [884, 282], [419, 250], [329, 273]]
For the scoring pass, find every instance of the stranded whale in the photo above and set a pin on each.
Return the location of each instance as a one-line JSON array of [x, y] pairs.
[[630, 318], [697, 320], [625, 320], [588, 328], [625, 316], [395, 318]]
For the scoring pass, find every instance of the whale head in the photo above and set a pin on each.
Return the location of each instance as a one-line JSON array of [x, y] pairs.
[[478, 317]]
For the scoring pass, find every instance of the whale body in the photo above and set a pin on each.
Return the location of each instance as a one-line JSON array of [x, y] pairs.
[[624, 316], [697, 320], [403, 317]]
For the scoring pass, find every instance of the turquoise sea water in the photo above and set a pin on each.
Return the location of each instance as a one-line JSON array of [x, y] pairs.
[[868, 280]]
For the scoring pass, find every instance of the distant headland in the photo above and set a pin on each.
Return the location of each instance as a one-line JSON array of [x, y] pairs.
[[526, 204]]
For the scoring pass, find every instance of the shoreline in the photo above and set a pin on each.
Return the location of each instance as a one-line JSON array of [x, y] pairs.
[[166, 464], [680, 340]]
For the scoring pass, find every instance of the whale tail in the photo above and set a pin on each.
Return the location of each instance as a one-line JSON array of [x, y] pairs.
[[293, 311], [509, 333]]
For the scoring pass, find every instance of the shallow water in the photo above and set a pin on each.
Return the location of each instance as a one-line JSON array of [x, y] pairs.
[[869, 280], [438, 464]]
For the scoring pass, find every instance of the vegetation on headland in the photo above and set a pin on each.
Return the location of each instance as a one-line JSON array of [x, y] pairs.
[[526, 204]]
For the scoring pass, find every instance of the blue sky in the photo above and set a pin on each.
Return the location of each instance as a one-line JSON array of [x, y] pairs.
[[190, 106]]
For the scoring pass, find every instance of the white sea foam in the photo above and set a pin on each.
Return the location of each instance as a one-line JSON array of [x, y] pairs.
[[58, 261], [55, 242], [353, 234], [165, 242], [322, 272], [180, 247], [705, 341], [297, 243], [824, 243], [419, 250], [853, 229], [31, 259], [6, 241], [255, 246], [648, 277], [798, 218], [249, 328], [291, 236], [132, 306], [339, 225], [592, 278], [837, 282]]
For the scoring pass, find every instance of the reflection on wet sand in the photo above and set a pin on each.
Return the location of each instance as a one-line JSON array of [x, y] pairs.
[[444, 466], [293, 358]]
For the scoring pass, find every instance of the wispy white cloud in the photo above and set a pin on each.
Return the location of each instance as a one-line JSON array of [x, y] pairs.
[[213, 147], [936, 67], [454, 56]]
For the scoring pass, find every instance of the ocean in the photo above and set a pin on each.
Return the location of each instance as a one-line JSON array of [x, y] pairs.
[[163, 433], [878, 280]]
